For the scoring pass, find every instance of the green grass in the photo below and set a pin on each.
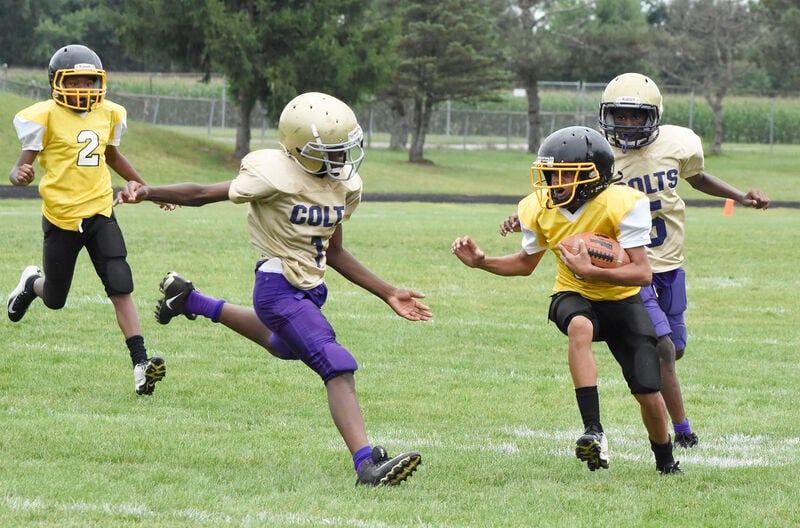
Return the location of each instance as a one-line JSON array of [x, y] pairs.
[[234, 437]]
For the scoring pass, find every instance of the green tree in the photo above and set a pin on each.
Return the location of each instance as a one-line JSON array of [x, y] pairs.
[[779, 52], [30, 31], [571, 40], [707, 45], [268, 50], [449, 50]]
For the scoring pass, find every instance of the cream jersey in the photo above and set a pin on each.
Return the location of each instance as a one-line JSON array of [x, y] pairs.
[[619, 212], [656, 169], [292, 214], [76, 183]]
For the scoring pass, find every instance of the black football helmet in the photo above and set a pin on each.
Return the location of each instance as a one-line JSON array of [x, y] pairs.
[[75, 60], [574, 163]]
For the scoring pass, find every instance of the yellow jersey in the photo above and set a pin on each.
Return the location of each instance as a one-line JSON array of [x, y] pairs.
[[76, 183], [619, 212]]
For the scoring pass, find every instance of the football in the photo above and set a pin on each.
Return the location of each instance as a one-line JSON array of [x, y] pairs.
[[604, 251]]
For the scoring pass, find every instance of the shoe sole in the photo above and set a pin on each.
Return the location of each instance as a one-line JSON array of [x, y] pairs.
[[402, 470], [155, 372], [588, 450], [166, 282]]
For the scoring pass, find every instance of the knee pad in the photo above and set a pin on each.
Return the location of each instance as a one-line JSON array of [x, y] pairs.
[[337, 360], [679, 336], [565, 307], [119, 279], [54, 302], [646, 370], [666, 349]]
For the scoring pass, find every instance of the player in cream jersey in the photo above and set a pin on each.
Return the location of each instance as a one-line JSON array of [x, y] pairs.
[[298, 199], [74, 136], [656, 170], [574, 193], [293, 214], [654, 158]]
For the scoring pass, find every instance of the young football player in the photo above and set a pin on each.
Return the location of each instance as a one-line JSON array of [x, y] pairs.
[[654, 158], [298, 198], [573, 193], [75, 136]]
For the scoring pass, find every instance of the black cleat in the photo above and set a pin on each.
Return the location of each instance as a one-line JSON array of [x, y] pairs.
[[147, 374], [176, 290], [592, 448], [671, 468], [23, 295], [685, 440], [385, 472]]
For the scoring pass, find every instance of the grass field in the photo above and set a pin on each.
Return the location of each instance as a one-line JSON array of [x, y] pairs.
[[233, 437]]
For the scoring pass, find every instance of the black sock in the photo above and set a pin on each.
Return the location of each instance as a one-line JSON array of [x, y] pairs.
[[136, 346], [589, 407], [663, 453]]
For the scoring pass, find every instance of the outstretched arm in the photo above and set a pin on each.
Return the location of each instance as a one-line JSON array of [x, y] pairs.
[[117, 161], [520, 263], [713, 186], [191, 194], [404, 302]]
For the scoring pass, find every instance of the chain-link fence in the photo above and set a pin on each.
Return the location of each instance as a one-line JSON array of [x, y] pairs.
[[747, 119]]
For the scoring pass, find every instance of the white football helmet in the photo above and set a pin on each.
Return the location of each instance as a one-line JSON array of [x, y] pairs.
[[76, 60], [321, 133], [632, 91]]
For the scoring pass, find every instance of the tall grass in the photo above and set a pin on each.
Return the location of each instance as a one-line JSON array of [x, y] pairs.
[[234, 437]]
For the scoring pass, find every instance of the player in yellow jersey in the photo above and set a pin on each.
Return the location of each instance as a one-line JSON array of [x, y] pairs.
[[298, 198], [75, 138], [654, 158], [574, 193]]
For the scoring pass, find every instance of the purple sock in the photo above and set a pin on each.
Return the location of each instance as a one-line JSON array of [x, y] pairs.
[[200, 304], [362, 455], [682, 427]]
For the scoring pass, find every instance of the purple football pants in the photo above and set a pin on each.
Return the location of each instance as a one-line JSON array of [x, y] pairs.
[[665, 300], [299, 328]]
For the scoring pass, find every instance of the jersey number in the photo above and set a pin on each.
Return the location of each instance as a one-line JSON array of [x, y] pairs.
[[317, 243], [87, 157], [659, 225]]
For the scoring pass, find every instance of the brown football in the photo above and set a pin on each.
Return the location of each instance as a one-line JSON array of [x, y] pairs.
[[604, 251]]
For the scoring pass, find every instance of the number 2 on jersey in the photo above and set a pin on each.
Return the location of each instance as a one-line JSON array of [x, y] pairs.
[[87, 157]]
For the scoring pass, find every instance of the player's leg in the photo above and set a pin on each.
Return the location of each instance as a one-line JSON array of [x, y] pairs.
[[660, 299], [575, 318], [630, 335], [302, 331], [180, 297], [106, 247], [672, 302], [60, 250]]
